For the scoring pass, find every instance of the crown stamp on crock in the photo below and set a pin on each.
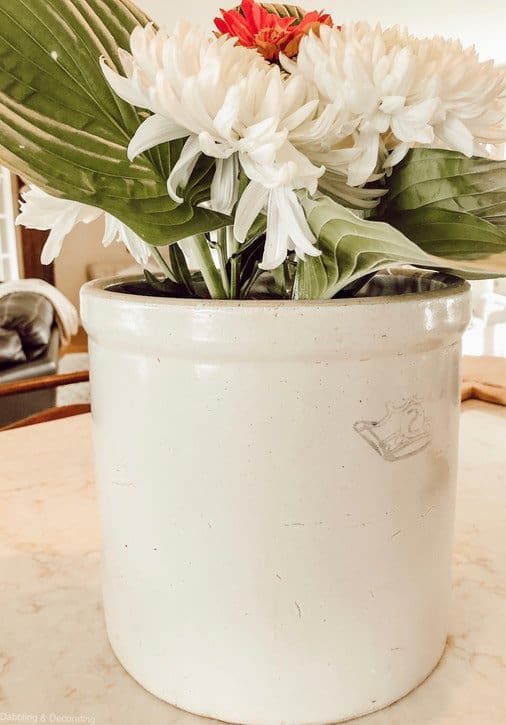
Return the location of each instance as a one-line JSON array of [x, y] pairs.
[[404, 431]]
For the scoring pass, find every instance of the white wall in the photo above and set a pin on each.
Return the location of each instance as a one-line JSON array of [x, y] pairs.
[[81, 248], [476, 22]]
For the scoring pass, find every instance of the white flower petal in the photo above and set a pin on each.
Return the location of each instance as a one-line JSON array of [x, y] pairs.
[[250, 205], [125, 88], [300, 115], [183, 168], [455, 135], [361, 168], [276, 239], [126, 61], [391, 104], [110, 230], [225, 185], [139, 250], [187, 246], [287, 228], [116, 231], [54, 242], [397, 155], [216, 149], [152, 132], [298, 229], [40, 210], [227, 117]]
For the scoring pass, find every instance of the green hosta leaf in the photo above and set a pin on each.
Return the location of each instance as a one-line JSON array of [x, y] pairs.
[[165, 287], [450, 205], [353, 248], [62, 127], [451, 234], [447, 180], [180, 267]]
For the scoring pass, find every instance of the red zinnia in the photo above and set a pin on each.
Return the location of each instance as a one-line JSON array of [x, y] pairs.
[[255, 27]]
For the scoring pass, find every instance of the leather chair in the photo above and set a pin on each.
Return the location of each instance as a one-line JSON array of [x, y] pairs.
[[29, 349], [17, 406]]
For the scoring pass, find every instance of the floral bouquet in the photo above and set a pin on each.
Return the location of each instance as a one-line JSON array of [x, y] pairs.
[[278, 154]]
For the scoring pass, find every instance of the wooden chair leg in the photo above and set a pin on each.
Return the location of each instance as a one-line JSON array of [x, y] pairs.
[[65, 411]]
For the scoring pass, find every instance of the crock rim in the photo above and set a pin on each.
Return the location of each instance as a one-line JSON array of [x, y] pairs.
[[102, 288]]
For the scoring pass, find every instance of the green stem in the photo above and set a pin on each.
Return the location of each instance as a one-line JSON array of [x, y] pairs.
[[232, 249], [163, 264], [211, 275], [288, 284], [222, 251], [249, 284], [280, 279]]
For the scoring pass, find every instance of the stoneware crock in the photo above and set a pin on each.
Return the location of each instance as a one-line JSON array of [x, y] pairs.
[[277, 491]]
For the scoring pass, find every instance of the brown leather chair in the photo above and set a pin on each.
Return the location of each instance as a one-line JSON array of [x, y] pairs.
[[16, 406]]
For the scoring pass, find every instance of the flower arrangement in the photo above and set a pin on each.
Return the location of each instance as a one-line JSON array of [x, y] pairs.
[[282, 154]]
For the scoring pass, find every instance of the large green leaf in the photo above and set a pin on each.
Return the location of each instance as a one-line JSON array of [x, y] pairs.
[[63, 128], [451, 234], [450, 205], [447, 180], [353, 248]]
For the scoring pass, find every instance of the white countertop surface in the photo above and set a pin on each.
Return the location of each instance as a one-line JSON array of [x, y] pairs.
[[56, 663]]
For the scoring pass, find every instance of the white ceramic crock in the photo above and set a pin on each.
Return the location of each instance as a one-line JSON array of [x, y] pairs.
[[277, 489]]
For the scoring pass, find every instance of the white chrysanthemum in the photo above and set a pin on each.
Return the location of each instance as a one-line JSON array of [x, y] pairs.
[[188, 81], [40, 210], [470, 111], [229, 104], [391, 92], [369, 85]]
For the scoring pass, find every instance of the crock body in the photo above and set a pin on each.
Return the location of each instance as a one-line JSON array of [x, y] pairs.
[[277, 490]]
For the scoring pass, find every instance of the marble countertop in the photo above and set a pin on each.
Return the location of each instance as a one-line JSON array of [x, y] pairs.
[[55, 660]]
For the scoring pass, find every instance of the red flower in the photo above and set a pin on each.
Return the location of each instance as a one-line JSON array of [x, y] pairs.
[[310, 22], [255, 27]]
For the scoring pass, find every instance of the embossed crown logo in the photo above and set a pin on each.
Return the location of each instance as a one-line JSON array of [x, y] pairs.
[[404, 431]]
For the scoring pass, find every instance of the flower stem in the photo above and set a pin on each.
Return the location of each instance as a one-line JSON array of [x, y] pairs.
[[200, 248], [232, 249], [288, 284], [246, 289], [163, 264], [222, 251]]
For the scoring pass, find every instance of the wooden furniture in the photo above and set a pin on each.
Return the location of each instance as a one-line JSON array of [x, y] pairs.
[[55, 658], [78, 344], [46, 383]]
